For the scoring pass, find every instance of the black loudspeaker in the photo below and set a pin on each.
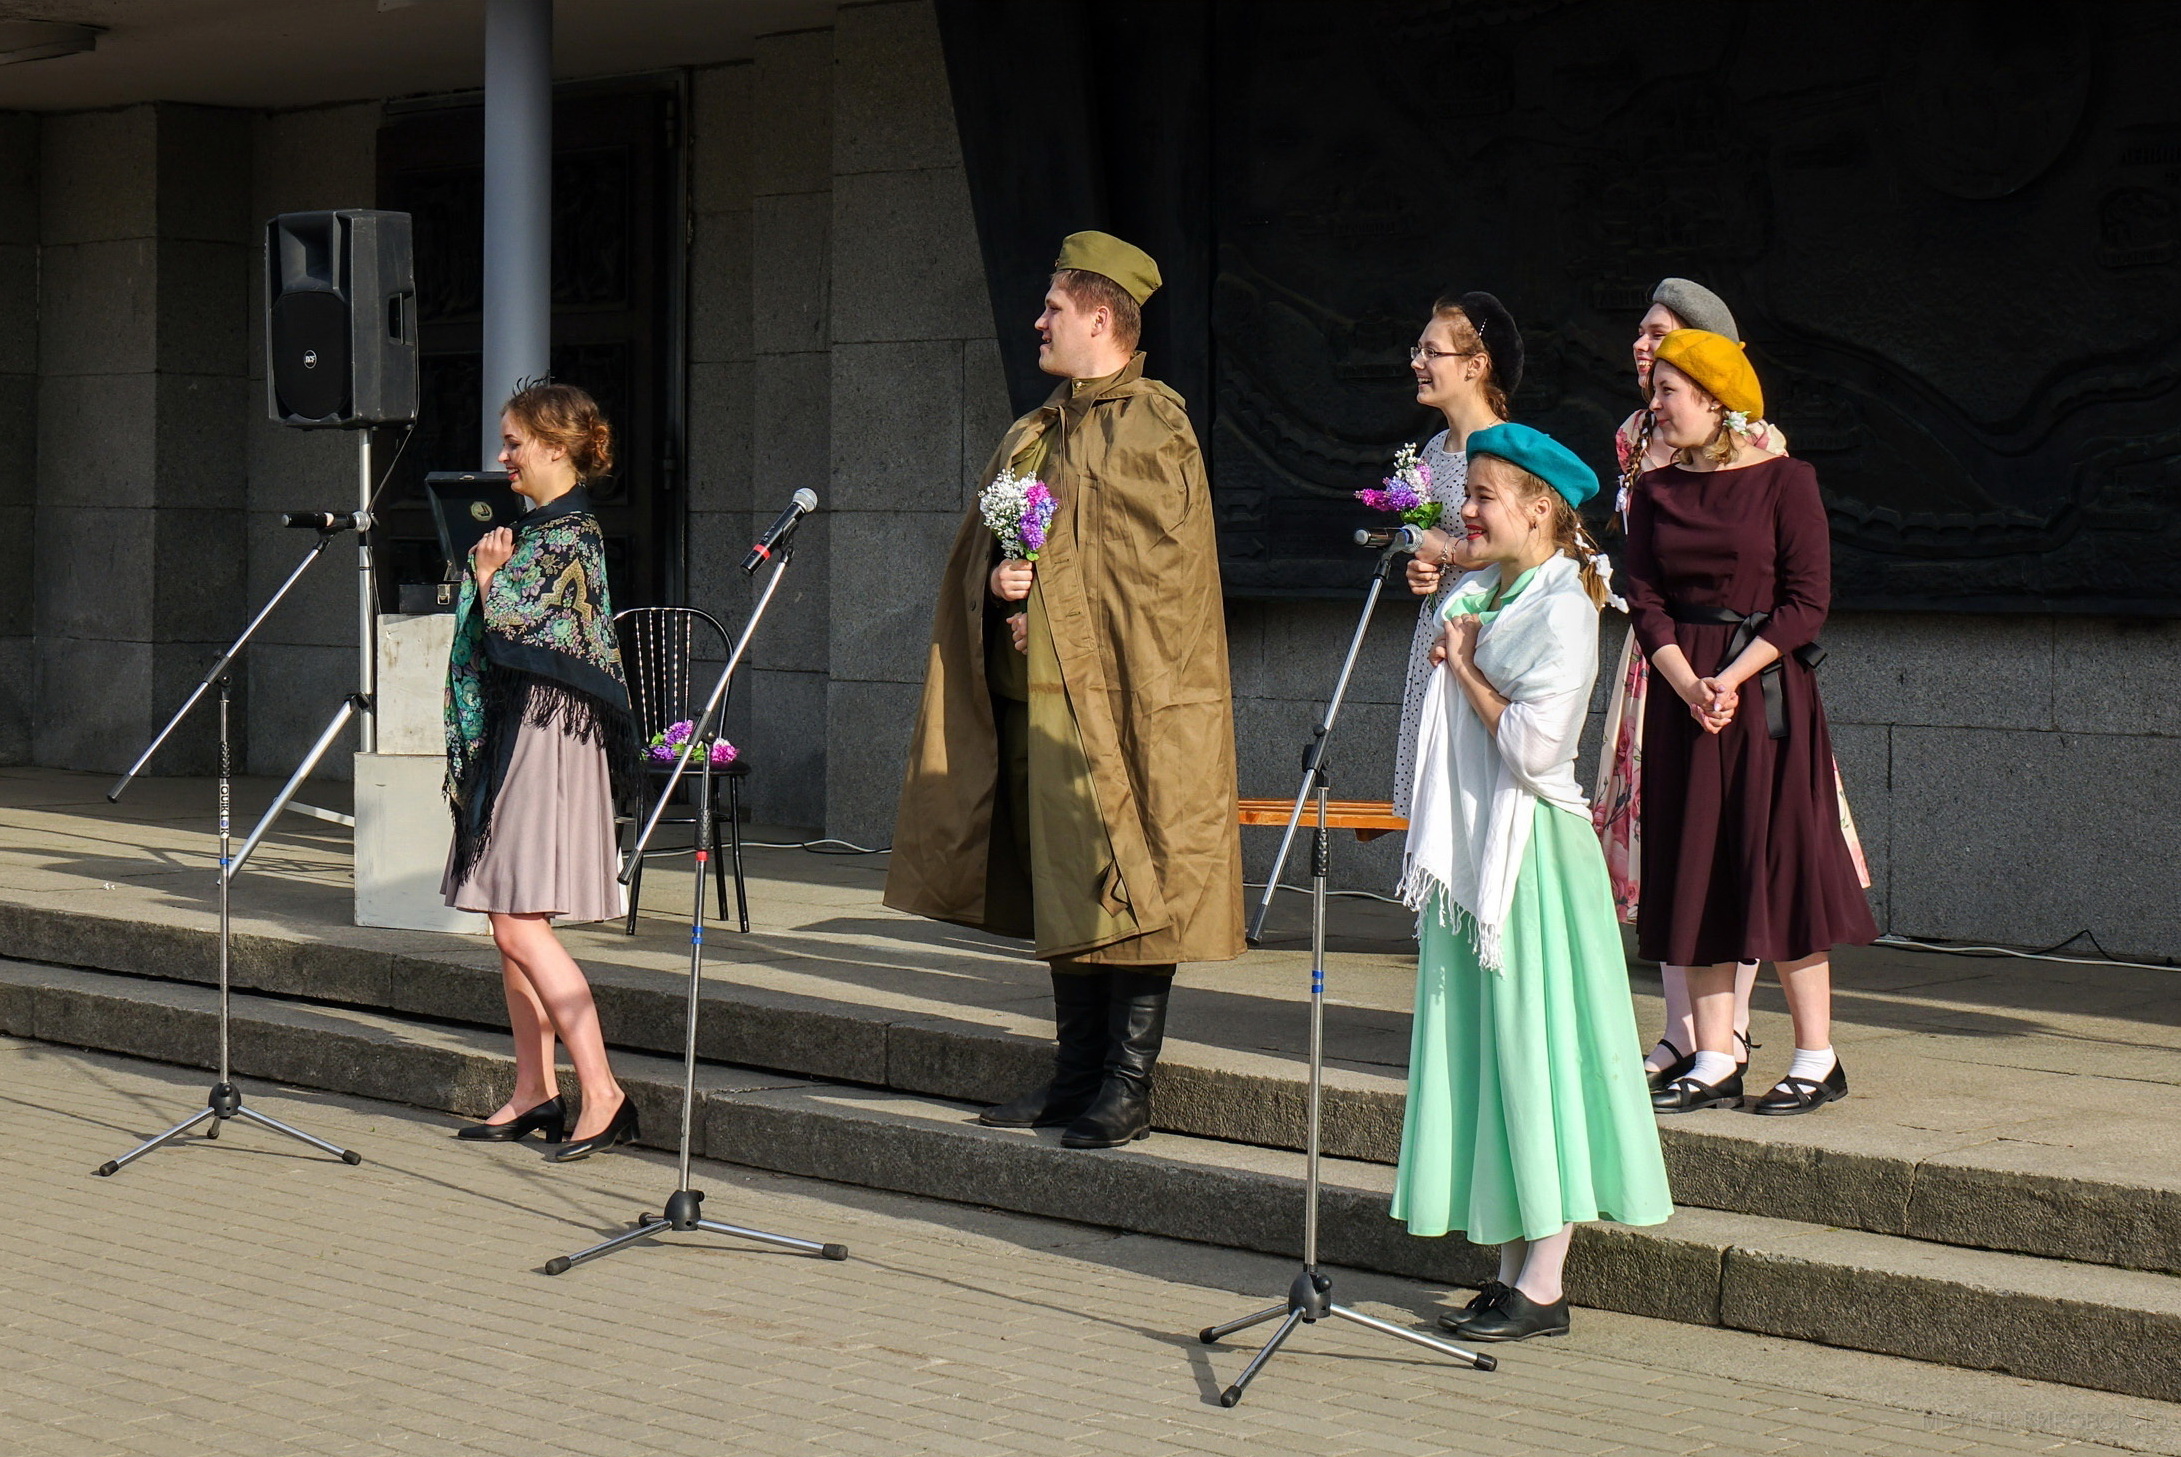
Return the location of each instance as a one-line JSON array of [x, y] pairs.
[[340, 321]]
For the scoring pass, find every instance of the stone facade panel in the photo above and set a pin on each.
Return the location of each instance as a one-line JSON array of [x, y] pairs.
[[886, 572], [892, 108], [18, 439], [720, 135], [720, 437], [869, 724], [1968, 672], [2030, 837], [897, 426], [98, 173], [790, 278], [906, 261], [793, 93], [96, 440], [2117, 675], [720, 284], [99, 303]]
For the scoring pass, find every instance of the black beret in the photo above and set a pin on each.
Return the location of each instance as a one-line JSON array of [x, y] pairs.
[[1502, 340]]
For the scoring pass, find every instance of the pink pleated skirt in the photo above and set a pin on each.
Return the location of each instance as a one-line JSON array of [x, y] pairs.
[[553, 849]]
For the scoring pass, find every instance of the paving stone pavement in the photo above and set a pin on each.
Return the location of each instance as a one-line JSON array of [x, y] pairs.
[[249, 1298]]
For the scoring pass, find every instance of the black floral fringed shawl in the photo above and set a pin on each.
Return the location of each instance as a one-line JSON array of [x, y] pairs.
[[540, 650]]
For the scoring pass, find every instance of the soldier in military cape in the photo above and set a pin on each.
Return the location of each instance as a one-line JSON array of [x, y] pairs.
[[1072, 775]]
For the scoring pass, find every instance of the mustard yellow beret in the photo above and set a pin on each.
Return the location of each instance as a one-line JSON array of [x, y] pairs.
[[1124, 263], [1719, 365]]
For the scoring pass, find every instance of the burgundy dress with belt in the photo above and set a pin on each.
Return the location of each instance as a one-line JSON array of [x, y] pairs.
[[1743, 858]]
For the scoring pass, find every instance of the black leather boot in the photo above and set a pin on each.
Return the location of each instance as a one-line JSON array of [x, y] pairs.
[[1135, 1030], [1079, 1056]]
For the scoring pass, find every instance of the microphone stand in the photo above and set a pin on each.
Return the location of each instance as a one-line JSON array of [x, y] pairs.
[[1310, 1297], [684, 1207], [225, 1101]]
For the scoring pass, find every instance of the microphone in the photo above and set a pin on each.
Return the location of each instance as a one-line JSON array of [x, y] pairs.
[[776, 535], [1405, 539], [327, 520]]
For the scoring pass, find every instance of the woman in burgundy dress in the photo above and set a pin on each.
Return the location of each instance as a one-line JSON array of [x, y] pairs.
[[1729, 567]]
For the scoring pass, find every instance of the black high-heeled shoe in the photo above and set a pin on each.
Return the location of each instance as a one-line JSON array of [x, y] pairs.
[[621, 1128], [548, 1118]]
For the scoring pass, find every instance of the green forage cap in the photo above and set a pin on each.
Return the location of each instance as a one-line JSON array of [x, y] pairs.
[[1124, 263]]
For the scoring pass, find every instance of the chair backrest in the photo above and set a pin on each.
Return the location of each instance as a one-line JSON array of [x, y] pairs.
[[660, 647]]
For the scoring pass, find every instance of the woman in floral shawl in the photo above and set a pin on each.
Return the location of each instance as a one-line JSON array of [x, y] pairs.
[[540, 752]]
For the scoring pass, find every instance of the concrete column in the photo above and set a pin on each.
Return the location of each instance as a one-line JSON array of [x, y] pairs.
[[917, 398], [518, 202], [18, 427], [791, 243]]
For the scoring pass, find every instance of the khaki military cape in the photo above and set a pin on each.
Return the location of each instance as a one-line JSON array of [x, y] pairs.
[[1129, 629]]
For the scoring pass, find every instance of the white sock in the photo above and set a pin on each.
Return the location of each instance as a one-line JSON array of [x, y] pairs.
[[1660, 1058], [1812, 1063], [1712, 1068]]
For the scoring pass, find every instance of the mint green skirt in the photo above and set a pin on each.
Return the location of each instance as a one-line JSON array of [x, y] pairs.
[[1528, 1109]]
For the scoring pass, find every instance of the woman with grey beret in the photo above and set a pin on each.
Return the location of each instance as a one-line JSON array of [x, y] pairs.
[[1677, 303]]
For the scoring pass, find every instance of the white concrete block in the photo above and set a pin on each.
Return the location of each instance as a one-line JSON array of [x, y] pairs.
[[402, 835], [413, 682]]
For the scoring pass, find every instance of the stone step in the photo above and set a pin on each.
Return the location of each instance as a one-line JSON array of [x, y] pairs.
[[1976, 1192], [2044, 1319]]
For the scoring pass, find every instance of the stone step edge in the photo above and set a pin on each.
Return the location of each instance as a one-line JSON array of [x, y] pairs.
[[2035, 1318], [1954, 1202]]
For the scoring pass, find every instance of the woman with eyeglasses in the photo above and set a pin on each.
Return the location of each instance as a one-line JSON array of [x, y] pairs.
[[1466, 364]]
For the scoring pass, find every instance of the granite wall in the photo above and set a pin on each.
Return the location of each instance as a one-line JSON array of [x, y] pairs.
[[142, 346]]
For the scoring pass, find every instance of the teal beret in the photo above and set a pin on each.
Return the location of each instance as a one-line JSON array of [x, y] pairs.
[[1540, 455]]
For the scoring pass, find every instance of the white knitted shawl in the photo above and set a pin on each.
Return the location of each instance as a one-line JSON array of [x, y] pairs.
[[1472, 802]]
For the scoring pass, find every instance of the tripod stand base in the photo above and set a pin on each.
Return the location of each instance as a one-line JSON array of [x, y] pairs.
[[1310, 1300], [224, 1103], [683, 1215]]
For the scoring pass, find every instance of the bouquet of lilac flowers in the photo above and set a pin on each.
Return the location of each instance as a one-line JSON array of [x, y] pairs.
[[1407, 492], [666, 745], [1019, 509]]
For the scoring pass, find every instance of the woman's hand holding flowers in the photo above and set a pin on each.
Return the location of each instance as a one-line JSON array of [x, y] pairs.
[[1010, 580]]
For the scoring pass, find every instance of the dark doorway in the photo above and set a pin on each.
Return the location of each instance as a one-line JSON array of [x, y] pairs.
[[615, 266]]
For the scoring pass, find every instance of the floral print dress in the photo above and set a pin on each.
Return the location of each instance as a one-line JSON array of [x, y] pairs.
[[1449, 487]]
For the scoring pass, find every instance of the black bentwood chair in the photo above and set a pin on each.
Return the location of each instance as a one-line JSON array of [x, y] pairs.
[[659, 646]]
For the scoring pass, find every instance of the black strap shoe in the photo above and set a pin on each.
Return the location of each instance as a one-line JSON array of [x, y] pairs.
[[1791, 1095], [1487, 1296], [1659, 1077], [1135, 1031], [548, 1118], [1742, 1051], [1080, 1000], [1515, 1317], [1686, 1094]]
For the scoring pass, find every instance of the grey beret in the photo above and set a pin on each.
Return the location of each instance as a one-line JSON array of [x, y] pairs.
[[1696, 306]]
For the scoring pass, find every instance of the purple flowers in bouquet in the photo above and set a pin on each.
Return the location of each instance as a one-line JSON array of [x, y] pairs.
[[1407, 492], [1019, 509], [666, 746]]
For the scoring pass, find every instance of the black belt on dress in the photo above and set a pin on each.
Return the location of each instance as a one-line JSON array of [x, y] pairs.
[[1746, 627]]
